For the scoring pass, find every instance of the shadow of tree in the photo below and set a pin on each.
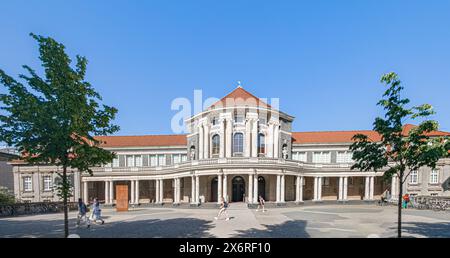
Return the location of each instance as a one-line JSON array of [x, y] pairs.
[[435, 229], [288, 229], [151, 228]]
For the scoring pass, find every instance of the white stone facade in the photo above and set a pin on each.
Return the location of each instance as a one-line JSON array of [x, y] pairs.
[[237, 152]]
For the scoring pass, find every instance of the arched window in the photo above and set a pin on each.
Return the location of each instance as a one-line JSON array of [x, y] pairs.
[[261, 144], [215, 144], [238, 143]]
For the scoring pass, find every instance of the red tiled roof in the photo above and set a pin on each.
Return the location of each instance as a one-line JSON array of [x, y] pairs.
[[239, 96], [346, 136], [143, 140], [330, 137]]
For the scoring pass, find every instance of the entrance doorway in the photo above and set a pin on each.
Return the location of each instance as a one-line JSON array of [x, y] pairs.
[[238, 189], [214, 183]]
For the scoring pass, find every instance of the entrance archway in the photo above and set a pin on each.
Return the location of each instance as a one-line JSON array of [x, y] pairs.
[[238, 184], [261, 187], [214, 183]]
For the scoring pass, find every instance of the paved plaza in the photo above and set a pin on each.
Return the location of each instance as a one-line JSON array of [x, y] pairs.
[[327, 221]]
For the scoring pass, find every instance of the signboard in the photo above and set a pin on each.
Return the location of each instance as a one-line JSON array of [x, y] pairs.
[[122, 197]]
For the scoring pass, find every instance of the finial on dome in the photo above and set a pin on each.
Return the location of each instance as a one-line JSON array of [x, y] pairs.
[[239, 84]]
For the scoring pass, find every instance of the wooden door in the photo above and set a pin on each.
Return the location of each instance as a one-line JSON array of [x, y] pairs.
[[122, 197]]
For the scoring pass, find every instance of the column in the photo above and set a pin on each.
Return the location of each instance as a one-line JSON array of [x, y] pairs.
[[77, 186], [132, 192], [315, 188], [157, 191], [200, 142], [270, 141], [301, 189], [319, 188], [250, 189], [219, 188], [254, 137], [278, 188], [206, 150], [85, 192], [276, 137], [174, 191], [222, 139], [297, 189], [341, 188], [394, 187], [229, 138], [161, 190], [345, 188], [282, 189], [366, 188], [197, 189], [137, 191], [111, 192], [106, 192], [225, 191], [372, 181], [193, 189], [247, 138], [255, 189]]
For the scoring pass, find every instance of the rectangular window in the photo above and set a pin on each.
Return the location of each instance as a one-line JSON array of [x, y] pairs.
[[130, 161], [321, 157], [434, 176], [300, 156], [238, 118], [215, 121], [27, 184], [413, 177], [48, 184], [153, 161], [115, 162], [176, 158], [138, 161], [343, 157], [161, 160], [183, 157]]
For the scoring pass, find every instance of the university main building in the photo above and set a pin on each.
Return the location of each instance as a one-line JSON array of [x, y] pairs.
[[239, 148]]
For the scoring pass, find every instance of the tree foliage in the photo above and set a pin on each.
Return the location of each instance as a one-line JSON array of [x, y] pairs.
[[53, 119], [400, 149]]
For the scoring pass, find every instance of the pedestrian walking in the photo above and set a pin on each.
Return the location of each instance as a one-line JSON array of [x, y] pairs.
[[82, 213], [261, 204], [223, 209], [96, 212]]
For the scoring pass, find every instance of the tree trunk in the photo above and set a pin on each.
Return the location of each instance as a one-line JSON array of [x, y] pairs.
[[66, 212], [400, 195]]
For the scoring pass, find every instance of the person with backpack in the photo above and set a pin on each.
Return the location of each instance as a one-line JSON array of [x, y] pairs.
[[82, 213], [223, 209]]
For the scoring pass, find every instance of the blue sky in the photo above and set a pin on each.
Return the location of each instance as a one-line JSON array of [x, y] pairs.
[[323, 59]]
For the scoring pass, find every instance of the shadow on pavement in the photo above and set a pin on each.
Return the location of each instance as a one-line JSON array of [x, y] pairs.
[[287, 229], [435, 229], [157, 228]]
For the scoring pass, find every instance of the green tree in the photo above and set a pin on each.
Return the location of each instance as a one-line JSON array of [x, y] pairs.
[[399, 151], [54, 119]]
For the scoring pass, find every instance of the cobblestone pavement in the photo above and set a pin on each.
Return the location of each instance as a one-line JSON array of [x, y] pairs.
[[307, 221]]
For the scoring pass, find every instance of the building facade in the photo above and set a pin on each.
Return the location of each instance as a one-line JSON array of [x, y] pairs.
[[239, 148]]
